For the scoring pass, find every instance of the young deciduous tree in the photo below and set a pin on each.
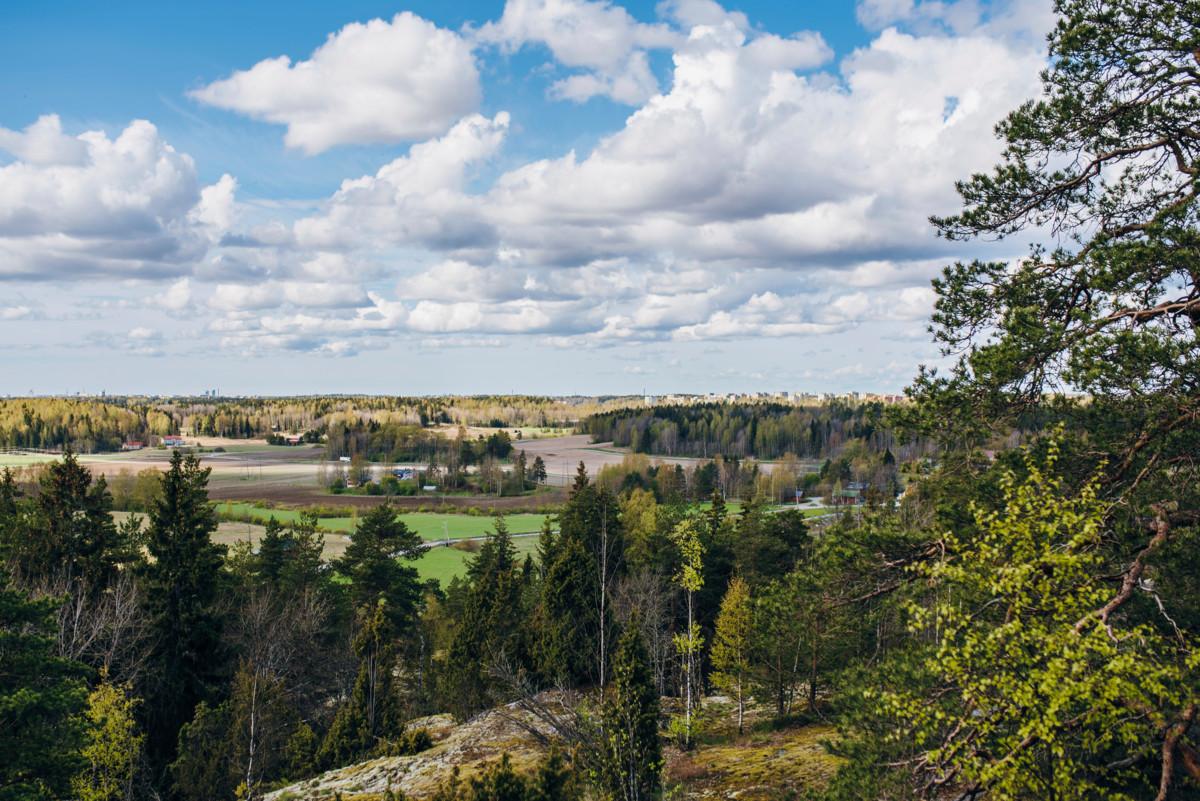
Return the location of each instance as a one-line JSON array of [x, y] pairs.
[[113, 745], [689, 643], [1041, 695]]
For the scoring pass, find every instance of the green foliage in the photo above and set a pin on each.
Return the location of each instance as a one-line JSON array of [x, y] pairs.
[[371, 715], [584, 565], [409, 742], [690, 642], [762, 430], [731, 645], [631, 762], [768, 544], [1106, 158], [113, 746], [261, 720], [687, 539], [1063, 659], [77, 542], [180, 586], [371, 562], [553, 780], [86, 426], [490, 627], [300, 753], [566, 622], [41, 697], [203, 768], [1049, 698]]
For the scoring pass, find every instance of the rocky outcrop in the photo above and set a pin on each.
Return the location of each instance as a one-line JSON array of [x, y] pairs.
[[469, 747]]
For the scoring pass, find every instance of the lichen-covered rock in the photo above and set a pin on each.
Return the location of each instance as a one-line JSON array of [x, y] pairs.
[[469, 747]]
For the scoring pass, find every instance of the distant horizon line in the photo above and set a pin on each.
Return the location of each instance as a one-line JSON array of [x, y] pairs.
[[764, 395]]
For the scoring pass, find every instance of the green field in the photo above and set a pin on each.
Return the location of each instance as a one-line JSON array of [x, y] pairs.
[[23, 459], [444, 564], [428, 525]]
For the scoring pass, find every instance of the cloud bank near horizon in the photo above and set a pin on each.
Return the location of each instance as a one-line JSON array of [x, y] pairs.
[[760, 188]]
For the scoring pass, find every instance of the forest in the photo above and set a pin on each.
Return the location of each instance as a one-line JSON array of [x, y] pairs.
[[1022, 623], [90, 425], [86, 426], [759, 430]]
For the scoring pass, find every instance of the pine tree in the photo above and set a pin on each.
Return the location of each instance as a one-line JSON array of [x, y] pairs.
[[180, 584], [731, 645], [371, 563], [41, 696], [632, 760]]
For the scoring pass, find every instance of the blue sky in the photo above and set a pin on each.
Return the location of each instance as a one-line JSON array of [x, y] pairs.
[[540, 195]]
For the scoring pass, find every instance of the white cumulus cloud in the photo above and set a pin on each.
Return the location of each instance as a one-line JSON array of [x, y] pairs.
[[89, 205], [596, 36], [374, 82]]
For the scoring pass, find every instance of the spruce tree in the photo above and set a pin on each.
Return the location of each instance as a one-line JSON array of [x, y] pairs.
[[566, 633], [303, 565], [490, 627], [372, 713], [10, 495], [272, 553], [180, 585], [203, 768], [78, 546], [575, 614], [716, 536], [41, 697], [632, 759]]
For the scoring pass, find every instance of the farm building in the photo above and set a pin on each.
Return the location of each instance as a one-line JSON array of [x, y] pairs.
[[132, 445], [852, 494], [173, 441]]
